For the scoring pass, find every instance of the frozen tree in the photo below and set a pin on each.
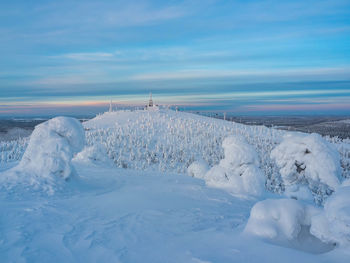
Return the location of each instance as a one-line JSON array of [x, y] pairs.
[[307, 163]]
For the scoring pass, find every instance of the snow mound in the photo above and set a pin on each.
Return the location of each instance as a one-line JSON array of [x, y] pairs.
[[276, 219], [239, 171], [198, 169], [307, 160], [286, 222], [50, 150], [333, 224], [93, 154]]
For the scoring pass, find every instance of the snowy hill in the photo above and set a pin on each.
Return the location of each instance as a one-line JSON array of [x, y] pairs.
[[165, 186]]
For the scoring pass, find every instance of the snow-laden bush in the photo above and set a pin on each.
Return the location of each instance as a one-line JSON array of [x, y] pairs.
[[332, 225], [307, 160], [50, 150], [276, 219], [239, 171], [286, 222], [93, 154], [198, 169]]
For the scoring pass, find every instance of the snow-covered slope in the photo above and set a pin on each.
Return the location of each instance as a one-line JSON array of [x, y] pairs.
[[171, 141], [133, 201]]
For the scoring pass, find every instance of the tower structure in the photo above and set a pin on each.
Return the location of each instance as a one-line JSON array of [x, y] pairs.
[[150, 102], [110, 106]]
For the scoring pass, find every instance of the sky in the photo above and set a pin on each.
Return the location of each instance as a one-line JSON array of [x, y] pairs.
[[241, 57]]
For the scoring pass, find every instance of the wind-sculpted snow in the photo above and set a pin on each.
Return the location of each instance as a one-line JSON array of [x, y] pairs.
[[332, 225], [293, 223], [307, 160], [171, 141], [198, 169], [50, 150], [285, 222], [130, 216], [239, 171], [141, 214]]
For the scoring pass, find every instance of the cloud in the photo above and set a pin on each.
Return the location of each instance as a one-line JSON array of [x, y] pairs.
[[93, 56], [99, 14], [300, 108], [141, 15], [205, 74]]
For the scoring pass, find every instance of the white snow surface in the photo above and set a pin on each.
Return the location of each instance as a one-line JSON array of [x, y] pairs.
[[122, 215], [131, 200], [48, 156], [307, 159], [198, 169], [276, 219], [286, 222], [333, 224], [239, 171]]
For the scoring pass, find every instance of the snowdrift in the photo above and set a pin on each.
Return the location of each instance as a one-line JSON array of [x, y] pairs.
[[48, 156]]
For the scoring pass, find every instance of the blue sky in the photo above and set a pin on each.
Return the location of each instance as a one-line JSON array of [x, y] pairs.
[[244, 57]]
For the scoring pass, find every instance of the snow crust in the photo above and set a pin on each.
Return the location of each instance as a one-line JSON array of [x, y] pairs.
[[307, 161], [239, 171], [48, 156]]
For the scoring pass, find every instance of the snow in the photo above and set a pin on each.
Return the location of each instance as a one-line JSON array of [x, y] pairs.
[[239, 171], [123, 215], [164, 186], [50, 150], [276, 219], [307, 159], [285, 222], [169, 141], [198, 169], [95, 154], [333, 224]]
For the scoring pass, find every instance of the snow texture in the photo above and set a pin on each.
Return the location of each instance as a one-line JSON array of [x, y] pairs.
[[48, 156], [169, 141], [94, 154], [141, 214], [122, 215], [198, 169], [333, 224], [286, 222], [239, 171], [279, 219], [307, 160]]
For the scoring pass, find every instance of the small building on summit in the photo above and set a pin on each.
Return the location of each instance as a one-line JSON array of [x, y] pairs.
[[151, 105]]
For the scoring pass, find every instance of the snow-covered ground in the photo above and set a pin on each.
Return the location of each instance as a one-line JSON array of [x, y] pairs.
[[128, 197]]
